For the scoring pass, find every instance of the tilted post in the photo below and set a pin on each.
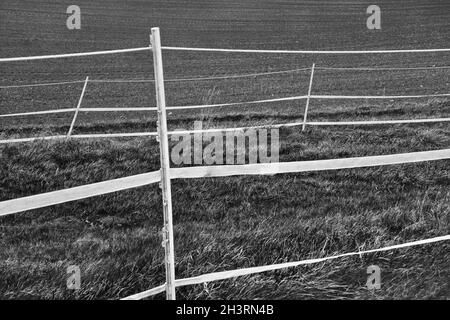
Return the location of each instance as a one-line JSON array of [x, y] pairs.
[[165, 165], [305, 116], [72, 125]]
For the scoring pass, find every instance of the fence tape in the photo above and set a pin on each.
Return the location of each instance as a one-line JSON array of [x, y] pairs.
[[223, 275], [225, 76], [215, 276], [213, 130], [382, 68], [380, 97], [41, 84], [376, 122], [82, 192], [306, 166], [118, 109], [72, 55], [236, 103], [146, 294], [78, 193], [306, 51], [37, 113]]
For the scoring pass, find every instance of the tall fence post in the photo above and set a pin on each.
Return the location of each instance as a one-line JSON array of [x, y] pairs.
[[78, 108], [305, 116], [165, 165]]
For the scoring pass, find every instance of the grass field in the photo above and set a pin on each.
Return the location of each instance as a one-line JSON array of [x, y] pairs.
[[226, 223]]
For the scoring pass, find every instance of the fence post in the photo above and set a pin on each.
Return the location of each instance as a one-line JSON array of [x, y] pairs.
[[165, 165], [305, 116], [78, 108]]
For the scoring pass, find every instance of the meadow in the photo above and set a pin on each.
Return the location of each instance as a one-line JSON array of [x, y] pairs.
[[226, 223]]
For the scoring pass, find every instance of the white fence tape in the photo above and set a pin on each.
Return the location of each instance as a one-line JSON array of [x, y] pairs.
[[307, 166], [213, 130], [381, 68], [215, 276], [233, 76], [223, 275], [105, 52], [35, 113], [376, 122], [307, 51], [72, 55], [381, 97], [78, 193], [118, 109], [146, 294], [41, 84], [82, 136], [236, 103]]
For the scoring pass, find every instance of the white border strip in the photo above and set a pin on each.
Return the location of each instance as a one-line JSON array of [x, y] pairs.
[[71, 55], [215, 276], [67, 195], [307, 51]]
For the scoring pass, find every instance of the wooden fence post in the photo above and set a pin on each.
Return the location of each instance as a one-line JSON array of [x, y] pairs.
[[165, 165]]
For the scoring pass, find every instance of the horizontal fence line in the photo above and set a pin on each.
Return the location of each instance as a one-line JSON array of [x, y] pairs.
[[215, 276], [236, 103], [37, 113], [307, 166], [223, 275], [33, 139], [203, 78], [77, 193], [146, 294], [232, 104], [119, 109], [223, 77], [380, 97], [312, 123], [72, 55], [382, 68], [81, 136], [306, 51], [57, 197], [213, 130], [105, 52], [42, 84], [305, 97], [376, 122]]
